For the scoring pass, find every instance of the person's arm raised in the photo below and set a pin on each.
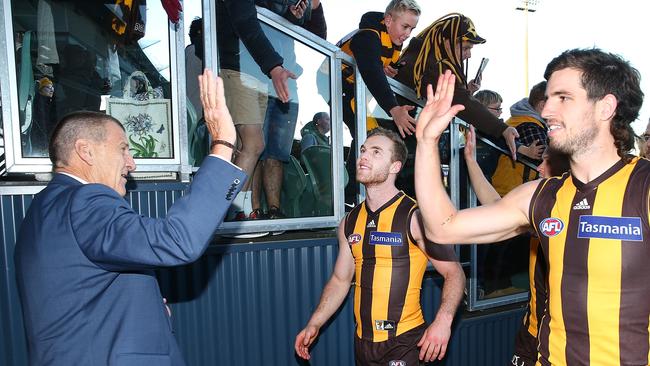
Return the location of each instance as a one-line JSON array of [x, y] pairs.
[[443, 223], [484, 190], [217, 117]]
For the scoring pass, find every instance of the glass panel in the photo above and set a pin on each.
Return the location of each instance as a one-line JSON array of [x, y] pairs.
[[3, 159], [197, 134], [502, 268], [96, 56], [284, 149]]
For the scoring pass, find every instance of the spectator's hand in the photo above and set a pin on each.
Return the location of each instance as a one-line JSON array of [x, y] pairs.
[[438, 111], [474, 85], [279, 76], [470, 144], [433, 343], [390, 71], [298, 10], [510, 134], [405, 123], [169, 310], [304, 339], [533, 151], [217, 117]]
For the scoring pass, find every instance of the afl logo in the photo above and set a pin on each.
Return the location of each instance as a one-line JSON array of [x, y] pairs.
[[551, 226], [354, 239]]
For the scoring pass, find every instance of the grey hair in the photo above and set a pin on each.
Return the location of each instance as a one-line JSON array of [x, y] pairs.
[[75, 126]]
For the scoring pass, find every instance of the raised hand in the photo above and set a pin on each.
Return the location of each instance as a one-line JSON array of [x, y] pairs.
[[217, 117], [470, 143], [438, 111]]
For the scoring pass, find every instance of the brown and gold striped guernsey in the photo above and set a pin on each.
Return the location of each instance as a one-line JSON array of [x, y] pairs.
[[389, 267], [389, 51], [594, 238], [537, 276]]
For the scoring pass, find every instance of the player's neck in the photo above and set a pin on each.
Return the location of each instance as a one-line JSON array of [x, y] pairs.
[[378, 194], [591, 164]]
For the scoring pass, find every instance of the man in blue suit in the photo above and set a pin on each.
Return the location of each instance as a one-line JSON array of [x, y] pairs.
[[84, 259]]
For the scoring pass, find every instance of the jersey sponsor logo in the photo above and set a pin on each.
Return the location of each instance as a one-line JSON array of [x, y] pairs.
[[397, 363], [582, 205], [354, 238], [372, 224], [384, 324], [385, 238], [607, 227], [551, 226]]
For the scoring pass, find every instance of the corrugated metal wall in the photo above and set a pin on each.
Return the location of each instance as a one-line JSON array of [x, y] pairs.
[[243, 304]]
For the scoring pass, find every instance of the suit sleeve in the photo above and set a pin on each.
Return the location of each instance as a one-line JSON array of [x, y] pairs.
[[112, 235], [366, 47], [243, 16]]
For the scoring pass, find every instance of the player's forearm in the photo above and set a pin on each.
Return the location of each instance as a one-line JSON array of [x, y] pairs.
[[452, 294], [484, 190], [434, 203], [331, 299]]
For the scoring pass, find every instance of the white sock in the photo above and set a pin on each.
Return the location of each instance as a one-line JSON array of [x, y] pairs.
[[237, 204], [248, 203]]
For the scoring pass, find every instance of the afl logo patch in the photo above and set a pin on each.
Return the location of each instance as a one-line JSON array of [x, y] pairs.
[[551, 226], [354, 239]]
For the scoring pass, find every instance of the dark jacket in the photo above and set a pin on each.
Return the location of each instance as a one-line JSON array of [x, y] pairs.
[[317, 24], [371, 56], [311, 136], [237, 19], [475, 113]]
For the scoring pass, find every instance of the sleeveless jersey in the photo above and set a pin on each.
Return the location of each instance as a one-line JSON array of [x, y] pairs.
[[389, 267], [594, 238]]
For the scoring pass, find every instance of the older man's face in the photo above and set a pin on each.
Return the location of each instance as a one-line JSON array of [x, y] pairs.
[[113, 160]]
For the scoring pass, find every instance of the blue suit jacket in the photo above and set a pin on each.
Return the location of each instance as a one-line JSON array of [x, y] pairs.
[[84, 267]]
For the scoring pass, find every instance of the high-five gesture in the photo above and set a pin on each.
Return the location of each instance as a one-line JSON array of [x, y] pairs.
[[217, 117], [438, 111]]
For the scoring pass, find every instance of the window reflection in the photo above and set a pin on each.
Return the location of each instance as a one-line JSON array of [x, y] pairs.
[[285, 180], [81, 55]]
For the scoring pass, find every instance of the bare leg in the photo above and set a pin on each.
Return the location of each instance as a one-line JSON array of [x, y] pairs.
[[251, 142], [273, 173], [256, 186]]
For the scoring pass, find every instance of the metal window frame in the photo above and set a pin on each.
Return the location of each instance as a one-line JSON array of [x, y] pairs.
[[335, 56], [16, 163]]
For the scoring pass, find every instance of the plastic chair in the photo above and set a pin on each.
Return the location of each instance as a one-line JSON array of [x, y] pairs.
[[318, 163], [294, 185]]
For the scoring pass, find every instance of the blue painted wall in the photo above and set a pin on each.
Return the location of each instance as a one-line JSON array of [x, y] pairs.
[[243, 304]]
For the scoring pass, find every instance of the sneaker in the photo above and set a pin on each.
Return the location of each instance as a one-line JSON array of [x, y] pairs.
[[275, 213], [240, 216], [256, 214], [247, 235]]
